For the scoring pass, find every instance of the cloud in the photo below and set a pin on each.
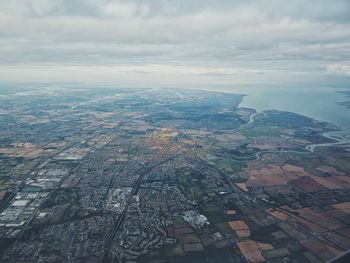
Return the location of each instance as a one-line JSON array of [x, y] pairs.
[[339, 69], [296, 35]]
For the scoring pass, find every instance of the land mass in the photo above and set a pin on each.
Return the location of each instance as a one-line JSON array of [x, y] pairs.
[[150, 175]]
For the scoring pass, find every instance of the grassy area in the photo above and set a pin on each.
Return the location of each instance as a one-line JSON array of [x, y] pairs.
[[229, 166], [196, 189], [269, 132], [166, 251], [215, 215], [239, 180]]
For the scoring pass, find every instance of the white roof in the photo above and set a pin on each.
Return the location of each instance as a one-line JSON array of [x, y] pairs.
[[20, 202]]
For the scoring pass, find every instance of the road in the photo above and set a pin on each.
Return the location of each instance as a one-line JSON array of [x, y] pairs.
[[117, 222]]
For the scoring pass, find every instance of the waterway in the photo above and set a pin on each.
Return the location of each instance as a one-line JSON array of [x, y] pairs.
[[318, 102]]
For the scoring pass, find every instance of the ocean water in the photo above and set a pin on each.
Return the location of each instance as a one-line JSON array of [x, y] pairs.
[[320, 103]]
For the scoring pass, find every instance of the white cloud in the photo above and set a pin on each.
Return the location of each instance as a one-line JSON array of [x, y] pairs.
[[124, 9], [199, 35], [339, 69]]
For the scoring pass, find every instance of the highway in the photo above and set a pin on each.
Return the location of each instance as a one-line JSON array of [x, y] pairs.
[[117, 222]]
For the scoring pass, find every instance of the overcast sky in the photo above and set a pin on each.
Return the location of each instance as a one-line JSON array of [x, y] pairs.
[[174, 42]]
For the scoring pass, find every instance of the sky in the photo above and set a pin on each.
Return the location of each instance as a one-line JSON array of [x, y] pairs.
[[175, 43]]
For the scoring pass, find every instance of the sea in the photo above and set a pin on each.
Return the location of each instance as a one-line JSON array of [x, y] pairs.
[[320, 103]]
